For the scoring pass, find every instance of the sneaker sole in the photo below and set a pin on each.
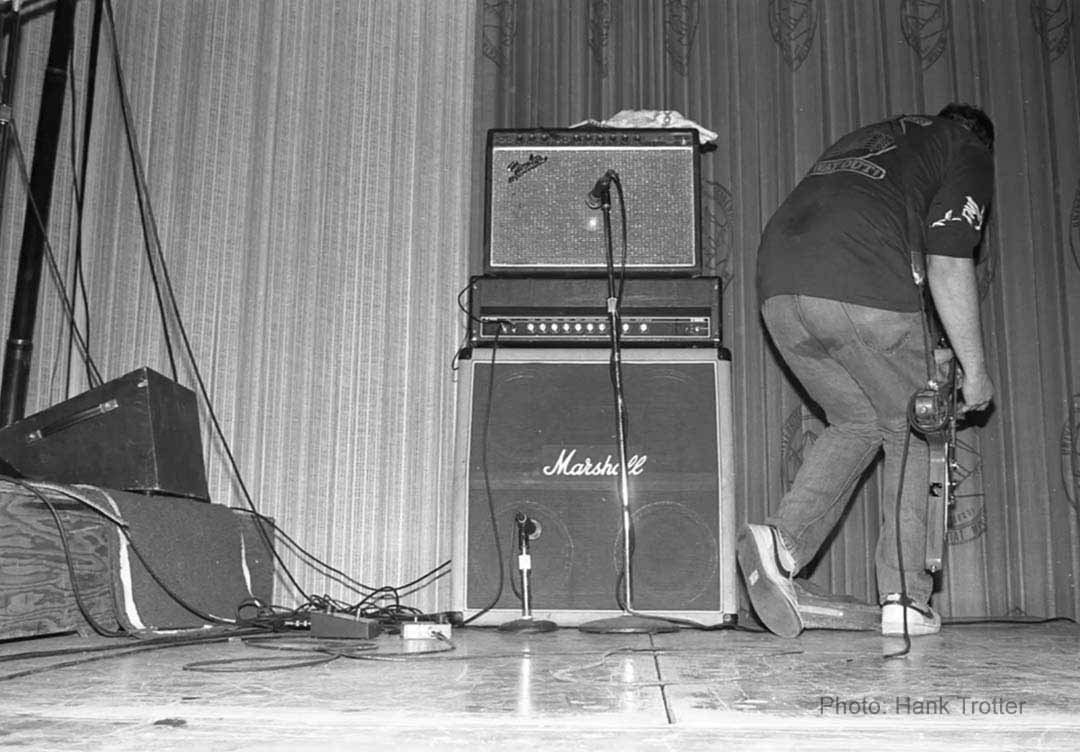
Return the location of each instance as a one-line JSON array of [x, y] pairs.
[[893, 625], [773, 605]]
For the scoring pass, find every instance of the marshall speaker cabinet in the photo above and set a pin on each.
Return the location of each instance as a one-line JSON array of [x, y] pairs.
[[536, 437], [539, 218]]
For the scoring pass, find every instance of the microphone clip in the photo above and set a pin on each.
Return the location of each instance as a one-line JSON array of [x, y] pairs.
[[600, 196]]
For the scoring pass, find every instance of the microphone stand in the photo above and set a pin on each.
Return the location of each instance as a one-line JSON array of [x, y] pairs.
[[526, 529], [20, 343], [628, 622]]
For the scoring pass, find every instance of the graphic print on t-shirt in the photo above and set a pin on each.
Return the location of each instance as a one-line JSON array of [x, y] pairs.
[[855, 151], [972, 213]]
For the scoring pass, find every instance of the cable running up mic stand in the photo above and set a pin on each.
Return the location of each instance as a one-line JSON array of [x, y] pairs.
[[628, 622]]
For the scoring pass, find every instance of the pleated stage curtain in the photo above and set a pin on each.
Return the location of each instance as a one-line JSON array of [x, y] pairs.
[[779, 81], [307, 169]]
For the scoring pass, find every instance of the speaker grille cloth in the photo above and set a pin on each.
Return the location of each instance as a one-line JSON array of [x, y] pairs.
[[541, 219]]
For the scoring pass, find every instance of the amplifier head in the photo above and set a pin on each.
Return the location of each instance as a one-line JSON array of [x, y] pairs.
[[572, 312], [537, 215]]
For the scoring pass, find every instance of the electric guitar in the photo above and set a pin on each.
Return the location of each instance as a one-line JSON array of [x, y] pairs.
[[933, 413]]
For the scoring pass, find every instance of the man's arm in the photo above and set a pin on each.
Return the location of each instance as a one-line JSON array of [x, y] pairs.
[[956, 298]]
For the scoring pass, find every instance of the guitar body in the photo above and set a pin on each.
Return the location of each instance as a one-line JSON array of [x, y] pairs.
[[934, 415], [938, 499]]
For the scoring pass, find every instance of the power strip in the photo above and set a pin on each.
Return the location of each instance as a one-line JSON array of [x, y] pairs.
[[425, 630]]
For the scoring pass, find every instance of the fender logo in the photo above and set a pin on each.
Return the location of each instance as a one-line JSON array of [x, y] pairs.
[[518, 169], [565, 465]]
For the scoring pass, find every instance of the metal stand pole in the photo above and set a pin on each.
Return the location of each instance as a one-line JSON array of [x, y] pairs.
[[628, 621], [16, 373]]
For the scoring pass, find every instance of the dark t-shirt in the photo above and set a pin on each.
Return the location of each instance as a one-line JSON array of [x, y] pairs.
[[843, 232]]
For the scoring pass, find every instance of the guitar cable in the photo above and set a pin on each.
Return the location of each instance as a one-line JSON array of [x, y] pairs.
[[941, 422]]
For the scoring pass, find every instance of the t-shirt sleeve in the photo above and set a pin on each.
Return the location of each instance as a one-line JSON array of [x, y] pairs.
[[958, 210]]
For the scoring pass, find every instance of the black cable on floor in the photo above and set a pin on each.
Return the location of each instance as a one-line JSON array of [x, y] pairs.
[[114, 651]]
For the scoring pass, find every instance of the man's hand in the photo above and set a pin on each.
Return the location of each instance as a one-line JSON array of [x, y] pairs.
[[978, 391]]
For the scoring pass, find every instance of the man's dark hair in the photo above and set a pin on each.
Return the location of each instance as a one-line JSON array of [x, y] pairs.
[[972, 118]]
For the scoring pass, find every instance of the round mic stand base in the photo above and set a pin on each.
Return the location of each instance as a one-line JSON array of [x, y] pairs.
[[528, 625], [629, 624]]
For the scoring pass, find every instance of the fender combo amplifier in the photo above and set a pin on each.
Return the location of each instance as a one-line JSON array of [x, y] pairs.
[[539, 218], [537, 438], [138, 432]]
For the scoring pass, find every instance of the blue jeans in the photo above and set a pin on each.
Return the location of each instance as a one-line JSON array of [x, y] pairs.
[[861, 365]]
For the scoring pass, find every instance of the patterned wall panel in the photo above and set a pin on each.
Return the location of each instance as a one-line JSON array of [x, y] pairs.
[[793, 24], [926, 28], [1053, 22]]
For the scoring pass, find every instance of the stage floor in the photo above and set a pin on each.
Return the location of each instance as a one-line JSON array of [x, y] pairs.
[[973, 687]]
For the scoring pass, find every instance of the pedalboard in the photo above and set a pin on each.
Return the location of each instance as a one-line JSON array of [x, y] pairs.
[[572, 312]]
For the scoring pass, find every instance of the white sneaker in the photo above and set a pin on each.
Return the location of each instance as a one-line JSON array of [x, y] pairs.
[[921, 620], [768, 582]]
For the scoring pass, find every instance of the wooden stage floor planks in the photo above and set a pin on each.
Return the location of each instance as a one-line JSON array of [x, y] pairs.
[[973, 687]]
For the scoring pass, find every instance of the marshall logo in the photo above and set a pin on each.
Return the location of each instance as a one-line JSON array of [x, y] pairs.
[[566, 465]]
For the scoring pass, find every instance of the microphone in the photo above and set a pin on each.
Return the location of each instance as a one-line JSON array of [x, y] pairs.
[[527, 526], [600, 194]]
